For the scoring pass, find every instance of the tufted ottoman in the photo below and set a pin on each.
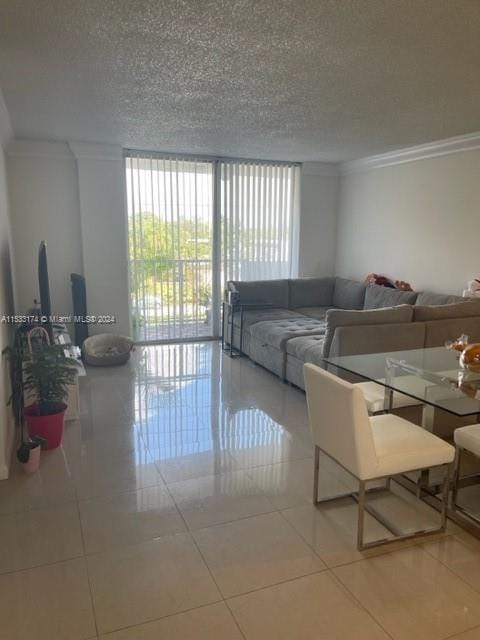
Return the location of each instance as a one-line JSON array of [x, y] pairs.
[[254, 316], [267, 341], [300, 350]]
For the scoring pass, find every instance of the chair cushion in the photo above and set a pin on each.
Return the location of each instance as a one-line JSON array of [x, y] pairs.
[[402, 446], [348, 294], [276, 333], [106, 350], [377, 297], [314, 292], [468, 438], [374, 395]]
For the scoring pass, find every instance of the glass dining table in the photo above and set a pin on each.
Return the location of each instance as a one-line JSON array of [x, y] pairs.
[[431, 376], [434, 378]]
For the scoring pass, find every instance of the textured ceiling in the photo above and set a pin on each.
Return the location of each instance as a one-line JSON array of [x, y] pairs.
[[300, 79]]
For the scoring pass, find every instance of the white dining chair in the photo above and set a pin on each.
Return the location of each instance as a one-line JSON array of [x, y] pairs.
[[369, 448], [466, 439]]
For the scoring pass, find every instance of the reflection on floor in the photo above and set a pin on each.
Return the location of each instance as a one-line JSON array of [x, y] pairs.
[[179, 508]]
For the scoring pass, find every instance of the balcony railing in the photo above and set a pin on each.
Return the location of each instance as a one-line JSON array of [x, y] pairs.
[[172, 299]]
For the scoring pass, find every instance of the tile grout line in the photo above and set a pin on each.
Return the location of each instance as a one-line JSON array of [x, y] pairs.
[[359, 604], [192, 538], [92, 601], [444, 564], [166, 617], [459, 634]]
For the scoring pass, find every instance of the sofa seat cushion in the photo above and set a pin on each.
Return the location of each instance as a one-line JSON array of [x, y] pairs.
[[427, 297], [348, 294], [377, 297], [265, 355], [262, 315], [276, 333], [301, 347], [318, 313]]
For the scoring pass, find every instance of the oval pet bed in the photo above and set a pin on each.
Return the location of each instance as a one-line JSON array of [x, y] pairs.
[[106, 350]]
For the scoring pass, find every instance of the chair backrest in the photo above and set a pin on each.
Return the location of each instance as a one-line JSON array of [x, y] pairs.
[[339, 421]]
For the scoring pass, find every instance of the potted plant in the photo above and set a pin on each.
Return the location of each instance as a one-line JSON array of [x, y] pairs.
[[43, 374], [28, 453]]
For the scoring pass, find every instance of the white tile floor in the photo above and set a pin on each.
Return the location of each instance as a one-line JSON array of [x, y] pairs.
[[179, 508]]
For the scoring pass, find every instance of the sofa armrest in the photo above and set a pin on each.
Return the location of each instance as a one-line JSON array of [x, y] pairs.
[[357, 339]]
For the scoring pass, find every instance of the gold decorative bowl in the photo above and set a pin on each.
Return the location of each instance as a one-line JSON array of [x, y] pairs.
[[470, 358], [475, 367]]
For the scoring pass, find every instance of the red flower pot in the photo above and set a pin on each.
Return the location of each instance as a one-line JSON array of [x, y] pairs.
[[49, 426]]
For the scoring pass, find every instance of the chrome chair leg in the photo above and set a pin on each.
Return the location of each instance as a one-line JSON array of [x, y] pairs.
[[445, 490], [361, 514], [456, 476], [458, 483], [360, 497]]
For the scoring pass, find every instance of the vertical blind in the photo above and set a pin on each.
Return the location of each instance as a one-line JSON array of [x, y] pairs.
[[193, 224], [259, 217]]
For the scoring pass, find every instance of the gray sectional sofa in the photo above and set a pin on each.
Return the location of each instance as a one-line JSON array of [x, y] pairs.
[[311, 318]]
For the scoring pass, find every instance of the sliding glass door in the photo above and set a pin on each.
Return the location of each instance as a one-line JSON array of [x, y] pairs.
[[193, 224], [170, 237]]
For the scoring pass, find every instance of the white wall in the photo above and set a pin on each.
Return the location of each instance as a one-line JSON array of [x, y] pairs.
[[318, 219], [6, 297], [44, 199], [417, 221], [71, 196], [101, 179]]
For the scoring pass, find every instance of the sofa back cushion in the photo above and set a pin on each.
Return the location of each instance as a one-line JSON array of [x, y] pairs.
[[348, 294], [427, 297], [377, 297], [464, 309], [437, 332], [274, 292], [310, 292], [349, 341], [343, 318]]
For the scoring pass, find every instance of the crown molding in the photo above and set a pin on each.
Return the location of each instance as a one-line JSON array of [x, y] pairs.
[[320, 169], [39, 148], [95, 151], [467, 142]]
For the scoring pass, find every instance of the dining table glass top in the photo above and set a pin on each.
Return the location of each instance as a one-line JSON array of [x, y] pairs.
[[433, 376]]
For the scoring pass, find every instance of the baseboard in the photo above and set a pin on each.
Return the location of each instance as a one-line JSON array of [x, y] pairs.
[[9, 446], [4, 472]]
